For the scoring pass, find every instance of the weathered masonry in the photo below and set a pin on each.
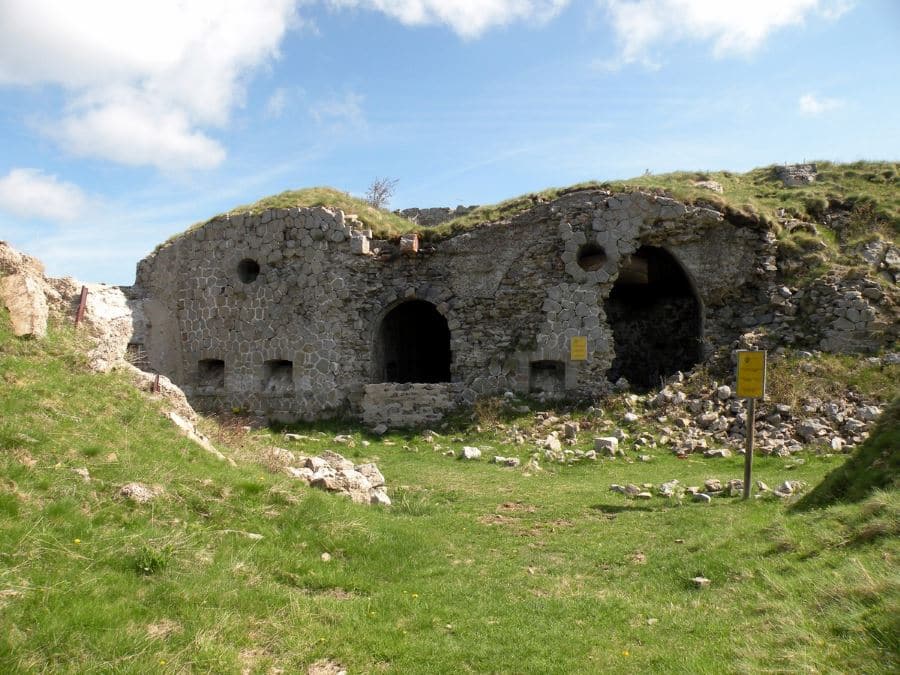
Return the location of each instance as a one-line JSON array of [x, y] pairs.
[[299, 313]]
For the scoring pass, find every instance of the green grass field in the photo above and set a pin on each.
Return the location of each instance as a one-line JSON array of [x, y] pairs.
[[475, 568]]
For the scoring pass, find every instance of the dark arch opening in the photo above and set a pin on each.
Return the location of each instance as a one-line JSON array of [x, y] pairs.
[[655, 319], [248, 270], [591, 257], [413, 344]]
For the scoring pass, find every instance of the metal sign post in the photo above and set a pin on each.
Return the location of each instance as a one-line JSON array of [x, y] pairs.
[[82, 303], [751, 385]]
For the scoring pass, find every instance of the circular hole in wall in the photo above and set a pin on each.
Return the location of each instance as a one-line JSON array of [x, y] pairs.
[[248, 270], [591, 257]]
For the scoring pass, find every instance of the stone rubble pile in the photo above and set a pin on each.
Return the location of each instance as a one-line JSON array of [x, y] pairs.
[[710, 421], [712, 487], [715, 418], [332, 472]]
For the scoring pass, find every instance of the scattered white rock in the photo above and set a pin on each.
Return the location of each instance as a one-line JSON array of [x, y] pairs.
[[607, 445], [712, 485], [700, 582], [552, 442], [712, 185], [470, 452], [506, 461], [717, 452], [139, 493], [668, 489]]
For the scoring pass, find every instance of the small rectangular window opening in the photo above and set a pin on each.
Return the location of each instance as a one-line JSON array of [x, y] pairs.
[[278, 377], [211, 374], [547, 377]]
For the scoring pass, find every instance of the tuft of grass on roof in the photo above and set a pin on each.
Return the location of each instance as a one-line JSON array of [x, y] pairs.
[[867, 190], [384, 224]]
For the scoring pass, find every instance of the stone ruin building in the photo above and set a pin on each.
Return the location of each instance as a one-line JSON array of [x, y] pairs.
[[299, 313]]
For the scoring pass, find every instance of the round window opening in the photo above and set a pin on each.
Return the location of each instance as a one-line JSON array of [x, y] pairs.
[[248, 270], [591, 257]]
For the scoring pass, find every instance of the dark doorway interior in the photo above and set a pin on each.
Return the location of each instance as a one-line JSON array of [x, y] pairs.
[[655, 318], [413, 344]]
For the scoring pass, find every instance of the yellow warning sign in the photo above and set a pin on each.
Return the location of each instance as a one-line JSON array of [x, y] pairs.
[[751, 374], [578, 348]]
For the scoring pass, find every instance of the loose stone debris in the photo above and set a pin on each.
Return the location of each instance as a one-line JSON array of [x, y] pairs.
[[710, 421], [139, 493], [332, 472]]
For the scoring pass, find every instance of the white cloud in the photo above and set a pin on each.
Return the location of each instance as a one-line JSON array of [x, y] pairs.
[[30, 193], [135, 130], [468, 18], [733, 27], [159, 71], [345, 112], [812, 105]]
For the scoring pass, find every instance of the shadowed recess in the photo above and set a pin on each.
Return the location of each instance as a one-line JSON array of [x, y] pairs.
[[413, 345]]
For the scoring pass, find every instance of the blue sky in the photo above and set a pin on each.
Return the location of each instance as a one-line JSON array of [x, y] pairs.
[[124, 122]]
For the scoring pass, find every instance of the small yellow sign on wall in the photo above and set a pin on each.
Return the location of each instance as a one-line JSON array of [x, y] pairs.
[[578, 348], [751, 374]]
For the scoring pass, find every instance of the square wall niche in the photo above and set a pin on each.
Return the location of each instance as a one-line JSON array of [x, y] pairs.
[[547, 377], [278, 377], [211, 374]]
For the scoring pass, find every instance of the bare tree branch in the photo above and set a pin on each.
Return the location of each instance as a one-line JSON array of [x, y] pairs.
[[380, 192]]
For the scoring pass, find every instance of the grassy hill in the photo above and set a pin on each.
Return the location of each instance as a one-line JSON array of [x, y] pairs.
[[874, 465], [475, 568], [866, 191]]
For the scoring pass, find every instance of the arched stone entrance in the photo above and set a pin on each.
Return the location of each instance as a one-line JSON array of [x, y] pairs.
[[413, 345], [655, 316]]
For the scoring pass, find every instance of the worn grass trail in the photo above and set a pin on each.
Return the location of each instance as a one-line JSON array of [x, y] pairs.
[[475, 568]]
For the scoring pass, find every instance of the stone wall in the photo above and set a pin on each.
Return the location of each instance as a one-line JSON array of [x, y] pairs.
[[406, 405], [280, 312]]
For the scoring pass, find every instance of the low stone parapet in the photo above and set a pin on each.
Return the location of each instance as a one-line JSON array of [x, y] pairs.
[[408, 405]]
